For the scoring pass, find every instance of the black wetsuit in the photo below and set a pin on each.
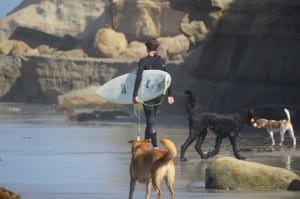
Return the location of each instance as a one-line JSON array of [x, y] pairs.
[[151, 106]]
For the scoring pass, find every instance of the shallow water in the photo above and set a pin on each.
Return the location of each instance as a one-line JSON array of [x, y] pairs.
[[45, 157]]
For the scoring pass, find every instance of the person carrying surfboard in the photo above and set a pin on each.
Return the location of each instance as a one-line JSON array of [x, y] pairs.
[[151, 62]]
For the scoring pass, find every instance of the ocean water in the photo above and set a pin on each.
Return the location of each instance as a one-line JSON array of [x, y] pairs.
[[43, 156]]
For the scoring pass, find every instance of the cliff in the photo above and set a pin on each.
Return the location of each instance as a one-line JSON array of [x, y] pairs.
[[252, 56], [240, 53]]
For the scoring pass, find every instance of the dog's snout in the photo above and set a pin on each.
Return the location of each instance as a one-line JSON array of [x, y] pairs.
[[254, 124]]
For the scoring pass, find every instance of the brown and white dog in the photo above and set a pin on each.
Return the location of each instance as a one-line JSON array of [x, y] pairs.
[[274, 126], [151, 166]]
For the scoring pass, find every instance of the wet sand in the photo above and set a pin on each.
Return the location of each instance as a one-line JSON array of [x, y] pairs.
[[45, 157]]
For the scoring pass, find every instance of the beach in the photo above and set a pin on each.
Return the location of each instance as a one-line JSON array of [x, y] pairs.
[[43, 156]]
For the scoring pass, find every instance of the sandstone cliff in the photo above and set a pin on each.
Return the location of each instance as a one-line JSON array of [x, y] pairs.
[[43, 78], [252, 57], [239, 52]]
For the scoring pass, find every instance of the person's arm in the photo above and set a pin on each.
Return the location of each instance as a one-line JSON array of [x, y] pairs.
[[139, 75]]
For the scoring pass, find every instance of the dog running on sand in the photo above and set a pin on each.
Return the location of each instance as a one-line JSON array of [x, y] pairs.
[[274, 126], [151, 166], [224, 125]]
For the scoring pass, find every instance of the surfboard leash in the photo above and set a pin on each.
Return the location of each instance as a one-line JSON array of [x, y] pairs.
[[137, 112], [164, 93], [161, 101]]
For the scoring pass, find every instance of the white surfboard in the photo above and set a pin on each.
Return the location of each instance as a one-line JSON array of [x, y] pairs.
[[120, 89]]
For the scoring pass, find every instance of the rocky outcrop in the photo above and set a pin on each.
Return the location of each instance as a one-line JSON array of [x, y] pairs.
[[43, 78], [68, 83], [37, 38], [232, 174], [80, 19], [10, 71], [6, 194], [100, 28], [76, 18]]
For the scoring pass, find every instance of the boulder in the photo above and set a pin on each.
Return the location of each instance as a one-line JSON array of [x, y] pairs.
[[80, 98], [14, 47], [135, 50], [173, 48], [138, 21], [45, 49], [85, 98], [110, 43], [231, 174], [96, 115], [83, 117]]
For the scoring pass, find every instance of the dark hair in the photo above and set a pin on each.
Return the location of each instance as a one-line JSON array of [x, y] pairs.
[[152, 44]]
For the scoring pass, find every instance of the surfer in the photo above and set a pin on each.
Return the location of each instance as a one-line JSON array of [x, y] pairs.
[[151, 62]]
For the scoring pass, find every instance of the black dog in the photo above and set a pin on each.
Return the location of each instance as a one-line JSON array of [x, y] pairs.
[[224, 125]]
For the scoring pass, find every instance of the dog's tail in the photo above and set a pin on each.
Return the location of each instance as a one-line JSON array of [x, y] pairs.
[[287, 113], [172, 151]]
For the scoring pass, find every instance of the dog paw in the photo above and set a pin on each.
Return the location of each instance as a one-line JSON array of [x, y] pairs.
[[205, 155], [183, 159], [240, 157]]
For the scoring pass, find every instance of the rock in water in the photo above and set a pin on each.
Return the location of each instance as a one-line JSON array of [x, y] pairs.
[[232, 174]]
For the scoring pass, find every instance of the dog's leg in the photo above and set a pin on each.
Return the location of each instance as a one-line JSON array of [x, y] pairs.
[[199, 143], [192, 137], [169, 179], [217, 145], [282, 132], [156, 178], [291, 132], [271, 133], [232, 139], [148, 188], [132, 186]]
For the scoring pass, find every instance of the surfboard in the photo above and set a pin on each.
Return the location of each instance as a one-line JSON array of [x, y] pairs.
[[119, 90]]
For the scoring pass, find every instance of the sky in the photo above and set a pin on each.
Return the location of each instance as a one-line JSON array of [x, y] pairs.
[[7, 6]]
